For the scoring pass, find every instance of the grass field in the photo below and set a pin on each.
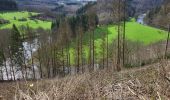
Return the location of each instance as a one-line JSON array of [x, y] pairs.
[[14, 16], [134, 32]]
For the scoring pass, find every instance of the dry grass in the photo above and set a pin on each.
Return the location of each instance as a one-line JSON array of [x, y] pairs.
[[134, 84]]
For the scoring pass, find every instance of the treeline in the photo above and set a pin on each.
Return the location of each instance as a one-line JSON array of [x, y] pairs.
[[69, 48], [52, 57], [137, 7], [74, 22], [69, 29], [83, 9], [11, 52], [6, 5], [68, 37], [106, 8]]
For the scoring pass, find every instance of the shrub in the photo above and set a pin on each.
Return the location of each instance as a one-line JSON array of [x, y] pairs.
[[2, 21], [22, 19]]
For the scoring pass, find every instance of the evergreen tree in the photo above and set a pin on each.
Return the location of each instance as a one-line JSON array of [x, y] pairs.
[[16, 40], [15, 48]]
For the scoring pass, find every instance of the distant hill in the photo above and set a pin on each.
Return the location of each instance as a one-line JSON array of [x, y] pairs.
[[6, 5], [160, 16], [105, 8], [142, 6], [67, 7]]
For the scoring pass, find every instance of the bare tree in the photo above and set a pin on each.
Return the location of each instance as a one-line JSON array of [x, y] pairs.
[[11, 64], [107, 48], [124, 30], [118, 43], [166, 49], [1, 62]]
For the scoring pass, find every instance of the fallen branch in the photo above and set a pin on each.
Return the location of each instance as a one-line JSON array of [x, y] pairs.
[[167, 78]]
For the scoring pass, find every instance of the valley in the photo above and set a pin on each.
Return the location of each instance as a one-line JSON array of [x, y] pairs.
[[84, 49]]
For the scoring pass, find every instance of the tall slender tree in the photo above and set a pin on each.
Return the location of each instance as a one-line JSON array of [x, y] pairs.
[[15, 50], [119, 38], [124, 30], [4, 61], [166, 49], [1, 62], [30, 34]]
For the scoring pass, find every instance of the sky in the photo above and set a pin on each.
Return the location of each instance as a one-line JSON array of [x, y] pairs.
[[85, 0]]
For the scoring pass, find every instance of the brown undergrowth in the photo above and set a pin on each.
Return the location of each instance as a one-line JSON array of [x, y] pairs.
[[148, 82]]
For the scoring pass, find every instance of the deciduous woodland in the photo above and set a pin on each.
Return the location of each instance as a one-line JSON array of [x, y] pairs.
[[104, 49]]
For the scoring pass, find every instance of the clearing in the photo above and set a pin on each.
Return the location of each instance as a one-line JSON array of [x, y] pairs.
[[22, 19]]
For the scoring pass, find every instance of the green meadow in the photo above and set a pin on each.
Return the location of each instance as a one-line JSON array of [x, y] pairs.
[[135, 32], [14, 17]]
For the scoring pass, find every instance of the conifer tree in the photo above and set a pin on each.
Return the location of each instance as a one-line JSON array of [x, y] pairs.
[[15, 49]]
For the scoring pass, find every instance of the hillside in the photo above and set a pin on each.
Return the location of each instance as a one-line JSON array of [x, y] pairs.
[[67, 7], [81, 50], [8, 5], [135, 84], [135, 32], [106, 9], [160, 16]]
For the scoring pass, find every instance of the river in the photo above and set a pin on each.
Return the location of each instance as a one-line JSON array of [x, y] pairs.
[[140, 19], [7, 71]]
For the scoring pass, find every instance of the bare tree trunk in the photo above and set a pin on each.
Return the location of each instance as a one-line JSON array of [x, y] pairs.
[[26, 74], [6, 69], [124, 33], [90, 53], [39, 58], [2, 73], [24, 60], [48, 67], [69, 64], [68, 57], [47, 62], [32, 61], [93, 51], [166, 49], [81, 52], [103, 46], [118, 48], [78, 54], [63, 61], [5, 64], [107, 48], [67, 54], [12, 67], [22, 71], [55, 65], [51, 57]]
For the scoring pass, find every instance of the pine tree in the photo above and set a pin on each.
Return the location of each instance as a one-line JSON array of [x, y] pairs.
[[15, 49]]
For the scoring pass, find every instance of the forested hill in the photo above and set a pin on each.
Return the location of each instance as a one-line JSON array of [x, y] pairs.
[[160, 16], [105, 8], [142, 6], [6, 5]]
